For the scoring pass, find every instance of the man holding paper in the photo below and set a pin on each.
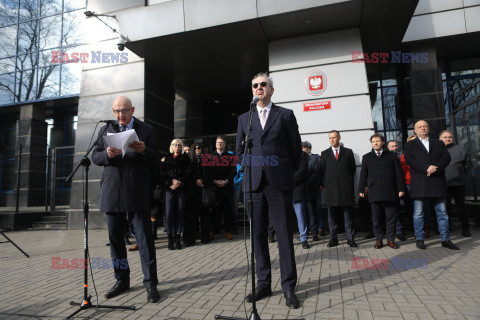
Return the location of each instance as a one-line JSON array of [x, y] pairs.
[[127, 188]]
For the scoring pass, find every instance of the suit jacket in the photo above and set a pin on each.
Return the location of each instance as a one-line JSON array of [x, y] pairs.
[[127, 183], [278, 146], [314, 177], [338, 177], [382, 175], [419, 159], [300, 179], [223, 167]]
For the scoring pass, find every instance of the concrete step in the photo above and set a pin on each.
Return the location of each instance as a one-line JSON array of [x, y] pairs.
[[49, 225]]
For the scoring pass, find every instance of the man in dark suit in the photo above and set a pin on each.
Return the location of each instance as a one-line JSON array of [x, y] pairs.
[[338, 169], [127, 188], [427, 158], [276, 153], [381, 177]]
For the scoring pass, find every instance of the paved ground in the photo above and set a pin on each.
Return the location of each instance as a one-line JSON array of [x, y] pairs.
[[204, 280]]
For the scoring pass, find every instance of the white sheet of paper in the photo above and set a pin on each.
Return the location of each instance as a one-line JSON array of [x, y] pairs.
[[121, 140]]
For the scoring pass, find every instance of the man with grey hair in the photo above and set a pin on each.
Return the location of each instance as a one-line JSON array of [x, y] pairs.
[[274, 137], [456, 175]]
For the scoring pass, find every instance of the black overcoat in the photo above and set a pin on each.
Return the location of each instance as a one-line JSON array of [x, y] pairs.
[[128, 182], [338, 177], [382, 176], [419, 159], [300, 179]]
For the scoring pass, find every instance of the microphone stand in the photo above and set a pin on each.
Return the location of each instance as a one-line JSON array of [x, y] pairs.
[[247, 165], [86, 303]]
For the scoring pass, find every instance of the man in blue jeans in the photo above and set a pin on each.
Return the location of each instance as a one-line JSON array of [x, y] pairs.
[[427, 158]]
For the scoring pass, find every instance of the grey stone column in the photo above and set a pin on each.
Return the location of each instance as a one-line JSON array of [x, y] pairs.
[[32, 135]]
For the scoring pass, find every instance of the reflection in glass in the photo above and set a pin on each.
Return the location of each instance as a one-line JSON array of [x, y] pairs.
[[74, 4], [71, 28], [29, 9], [7, 65], [7, 82], [45, 57], [25, 85], [27, 61], [390, 101], [71, 75], [50, 7], [28, 36], [8, 39], [8, 12], [376, 101], [50, 32], [48, 82]]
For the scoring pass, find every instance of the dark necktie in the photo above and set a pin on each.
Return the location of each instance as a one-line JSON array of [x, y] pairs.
[[379, 154]]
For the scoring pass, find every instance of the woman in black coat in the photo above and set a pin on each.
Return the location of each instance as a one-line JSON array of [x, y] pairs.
[[175, 177]]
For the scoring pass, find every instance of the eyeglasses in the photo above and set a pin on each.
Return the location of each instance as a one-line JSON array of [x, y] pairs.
[[262, 84], [123, 111]]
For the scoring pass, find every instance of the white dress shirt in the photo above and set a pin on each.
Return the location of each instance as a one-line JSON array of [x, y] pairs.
[[267, 110], [425, 143]]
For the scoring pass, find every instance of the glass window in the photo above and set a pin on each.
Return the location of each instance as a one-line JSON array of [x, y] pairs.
[[7, 65], [7, 82], [25, 85], [48, 82], [27, 61], [390, 101], [71, 75], [29, 9], [376, 101], [47, 57], [28, 36], [74, 4], [50, 7], [71, 28], [8, 12], [8, 39], [50, 32]]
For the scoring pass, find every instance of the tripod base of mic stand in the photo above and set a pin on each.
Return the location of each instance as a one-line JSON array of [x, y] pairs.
[[253, 316], [87, 304]]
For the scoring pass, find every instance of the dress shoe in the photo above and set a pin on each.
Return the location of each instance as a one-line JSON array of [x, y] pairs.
[[401, 237], [378, 244], [421, 244], [228, 235], [271, 238], [466, 233], [133, 248], [392, 245], [305, 245], [260, 293], [117, 289], [152, 294], [352, 243], [370, 235], [178, 242], [291, 300], [449, 244], [333, 243], [170, 242], [321, 233]]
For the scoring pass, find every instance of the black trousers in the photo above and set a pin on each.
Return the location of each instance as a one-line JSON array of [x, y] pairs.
[[143, 234], [332, 221], [225, 207], [278, 204], [390, 211], [457, 193]]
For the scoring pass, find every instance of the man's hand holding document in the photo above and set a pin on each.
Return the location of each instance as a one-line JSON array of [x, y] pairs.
[[126, 141]]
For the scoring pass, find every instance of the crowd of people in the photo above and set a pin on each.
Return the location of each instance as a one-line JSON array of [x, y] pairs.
[[197, 193]]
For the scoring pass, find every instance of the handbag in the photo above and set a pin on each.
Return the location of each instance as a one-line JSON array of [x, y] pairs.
[[208, 197]]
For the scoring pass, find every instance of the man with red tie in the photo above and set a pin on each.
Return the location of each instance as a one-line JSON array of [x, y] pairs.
[[338, 167]]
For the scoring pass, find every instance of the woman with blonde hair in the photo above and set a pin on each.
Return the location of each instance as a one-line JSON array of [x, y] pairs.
[[175, 175]]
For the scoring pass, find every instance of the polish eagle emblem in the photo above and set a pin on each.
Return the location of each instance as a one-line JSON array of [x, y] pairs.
[[316, 83]]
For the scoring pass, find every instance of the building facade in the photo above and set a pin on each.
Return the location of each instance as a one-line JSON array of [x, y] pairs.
[[354, 66]]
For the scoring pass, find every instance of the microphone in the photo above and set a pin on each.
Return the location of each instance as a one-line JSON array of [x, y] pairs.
[[108, 122], [254, 101]]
